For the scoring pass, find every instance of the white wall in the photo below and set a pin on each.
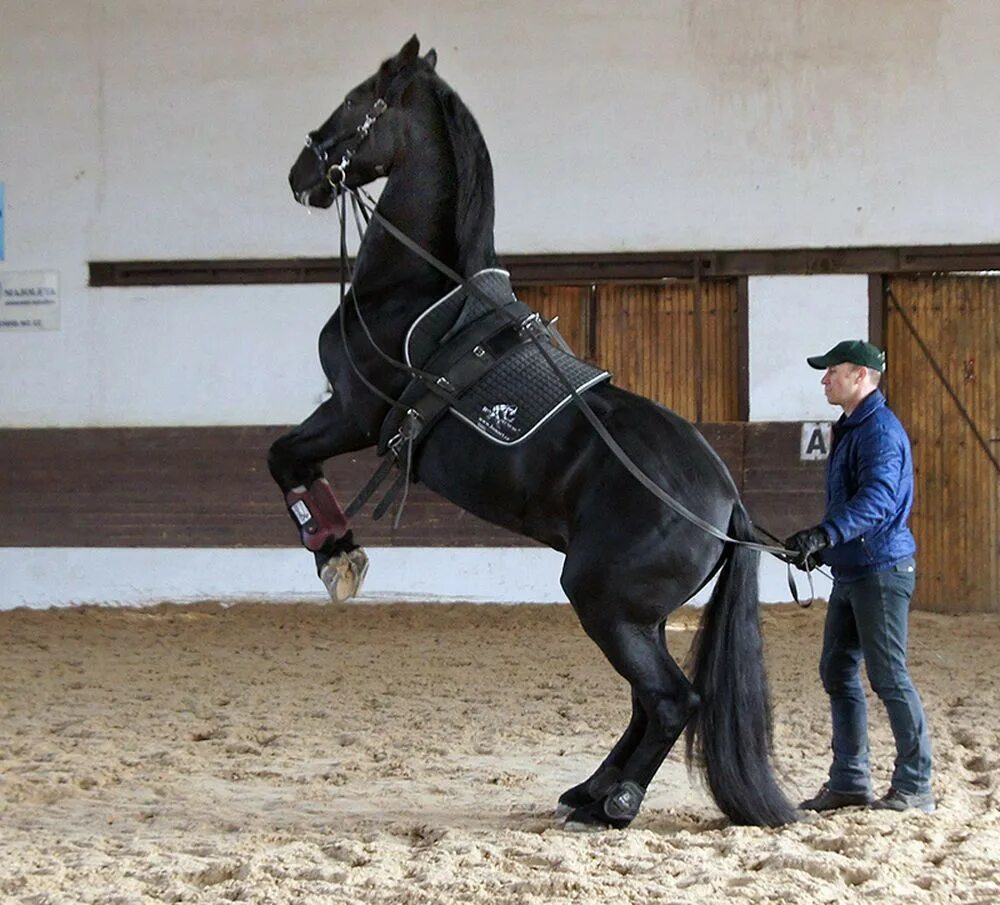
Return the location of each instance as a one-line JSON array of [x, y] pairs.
[[138, 128], [68, 576], [792, 317]]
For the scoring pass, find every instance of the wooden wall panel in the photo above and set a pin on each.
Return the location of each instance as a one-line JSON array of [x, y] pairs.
[[187, 487], [782, 493], [956, 514], [209, 487], [645, 339], [675, 342], [720, 357]]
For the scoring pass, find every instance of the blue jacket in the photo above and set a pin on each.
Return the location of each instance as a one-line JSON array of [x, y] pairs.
[[869, 492]]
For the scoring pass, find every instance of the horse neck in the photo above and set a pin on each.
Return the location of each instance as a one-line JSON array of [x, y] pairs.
[[440, 195], [383, 262]]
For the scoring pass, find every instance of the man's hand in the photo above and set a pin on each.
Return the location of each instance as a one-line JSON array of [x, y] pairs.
[[805, 545]]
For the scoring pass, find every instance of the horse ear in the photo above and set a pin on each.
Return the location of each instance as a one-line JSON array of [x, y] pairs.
[[431, 58], [408, 52]]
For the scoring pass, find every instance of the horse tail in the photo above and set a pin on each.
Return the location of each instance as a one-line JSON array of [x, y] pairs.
[[730, 733]]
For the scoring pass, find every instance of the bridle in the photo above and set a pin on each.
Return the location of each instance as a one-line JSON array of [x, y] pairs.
[[336, 173]]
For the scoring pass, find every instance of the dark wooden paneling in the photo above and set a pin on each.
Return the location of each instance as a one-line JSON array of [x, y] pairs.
[[210, 487], [181, 487], [781, 493]]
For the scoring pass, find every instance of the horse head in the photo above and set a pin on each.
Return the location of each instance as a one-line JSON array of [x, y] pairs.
[[364, 136]]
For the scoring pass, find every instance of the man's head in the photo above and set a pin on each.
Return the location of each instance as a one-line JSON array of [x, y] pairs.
[[853, 369]]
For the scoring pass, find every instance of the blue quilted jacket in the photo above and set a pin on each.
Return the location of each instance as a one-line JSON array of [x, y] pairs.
[[869, 492]]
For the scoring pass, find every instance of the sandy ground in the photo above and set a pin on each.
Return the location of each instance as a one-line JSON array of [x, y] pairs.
[[412, 754]]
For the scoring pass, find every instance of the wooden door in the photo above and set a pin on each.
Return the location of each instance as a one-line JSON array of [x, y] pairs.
[[679, 343], [956, 513]]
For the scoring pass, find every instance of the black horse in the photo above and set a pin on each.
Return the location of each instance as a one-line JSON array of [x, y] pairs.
[[630, 560]]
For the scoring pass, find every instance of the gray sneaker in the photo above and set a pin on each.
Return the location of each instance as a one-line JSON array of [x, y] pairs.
[[895, 800], [828, 799]]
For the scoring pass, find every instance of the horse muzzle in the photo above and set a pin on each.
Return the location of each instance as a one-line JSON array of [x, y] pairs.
[[320, 195]]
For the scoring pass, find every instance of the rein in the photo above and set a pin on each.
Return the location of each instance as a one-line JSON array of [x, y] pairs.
[[536, 329]]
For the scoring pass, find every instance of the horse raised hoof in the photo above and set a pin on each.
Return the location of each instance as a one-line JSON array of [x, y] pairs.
[[344, 573], [616, 811]]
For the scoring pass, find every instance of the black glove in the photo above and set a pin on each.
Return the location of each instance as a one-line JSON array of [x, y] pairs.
[[804, 545]]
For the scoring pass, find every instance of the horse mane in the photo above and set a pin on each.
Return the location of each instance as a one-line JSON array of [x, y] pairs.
[[474, 209]]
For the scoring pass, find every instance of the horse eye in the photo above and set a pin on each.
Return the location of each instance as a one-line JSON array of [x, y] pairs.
[[348, 103]]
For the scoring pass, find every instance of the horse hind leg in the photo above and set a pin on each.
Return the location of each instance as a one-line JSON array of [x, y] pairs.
[[667, 701], [609, 772], [294, 460]]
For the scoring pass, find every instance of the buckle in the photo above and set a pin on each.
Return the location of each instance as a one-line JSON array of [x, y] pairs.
[[533, 325], [409, 430], [411, 423]]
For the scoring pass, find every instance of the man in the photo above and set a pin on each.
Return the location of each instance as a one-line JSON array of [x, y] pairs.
[[864, 538]]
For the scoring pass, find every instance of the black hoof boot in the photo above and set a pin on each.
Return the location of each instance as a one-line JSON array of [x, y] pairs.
[[594, 789], [616, 811]]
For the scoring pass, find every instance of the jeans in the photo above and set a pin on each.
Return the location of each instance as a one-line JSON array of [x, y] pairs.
[[868, 618]]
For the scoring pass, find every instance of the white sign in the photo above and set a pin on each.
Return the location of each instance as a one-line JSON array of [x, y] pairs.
[[815, 441], [29, 300]]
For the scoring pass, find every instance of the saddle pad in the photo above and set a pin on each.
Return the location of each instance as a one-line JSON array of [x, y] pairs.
[[521, 392]]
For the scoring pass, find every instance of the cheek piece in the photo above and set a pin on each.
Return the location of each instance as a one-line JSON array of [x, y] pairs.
[[316, 514]]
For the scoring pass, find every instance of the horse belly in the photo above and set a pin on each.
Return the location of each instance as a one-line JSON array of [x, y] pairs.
[[508, 486]]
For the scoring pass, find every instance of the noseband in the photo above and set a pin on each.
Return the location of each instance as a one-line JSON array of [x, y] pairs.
[[336, 173]]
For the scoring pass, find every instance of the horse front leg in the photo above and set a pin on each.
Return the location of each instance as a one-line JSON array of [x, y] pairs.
[[295, 461]]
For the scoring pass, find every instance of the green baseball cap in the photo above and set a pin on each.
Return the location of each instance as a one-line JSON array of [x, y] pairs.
[[854, 351]]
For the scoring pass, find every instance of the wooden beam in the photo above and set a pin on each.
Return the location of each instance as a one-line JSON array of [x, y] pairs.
[[577, 268]]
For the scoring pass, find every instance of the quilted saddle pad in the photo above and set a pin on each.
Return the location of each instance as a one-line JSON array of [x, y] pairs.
[[522, 390]]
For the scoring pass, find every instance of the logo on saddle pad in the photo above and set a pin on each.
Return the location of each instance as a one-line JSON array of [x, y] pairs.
[[499, 419]]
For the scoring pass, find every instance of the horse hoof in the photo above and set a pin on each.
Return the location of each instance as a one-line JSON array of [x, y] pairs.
[[581, 826], [615, 812], [572, 799], [591, 819], [593, 790], [344, 574]]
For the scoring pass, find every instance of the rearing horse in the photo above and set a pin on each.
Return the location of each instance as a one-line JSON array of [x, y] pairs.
[[630, 560]]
